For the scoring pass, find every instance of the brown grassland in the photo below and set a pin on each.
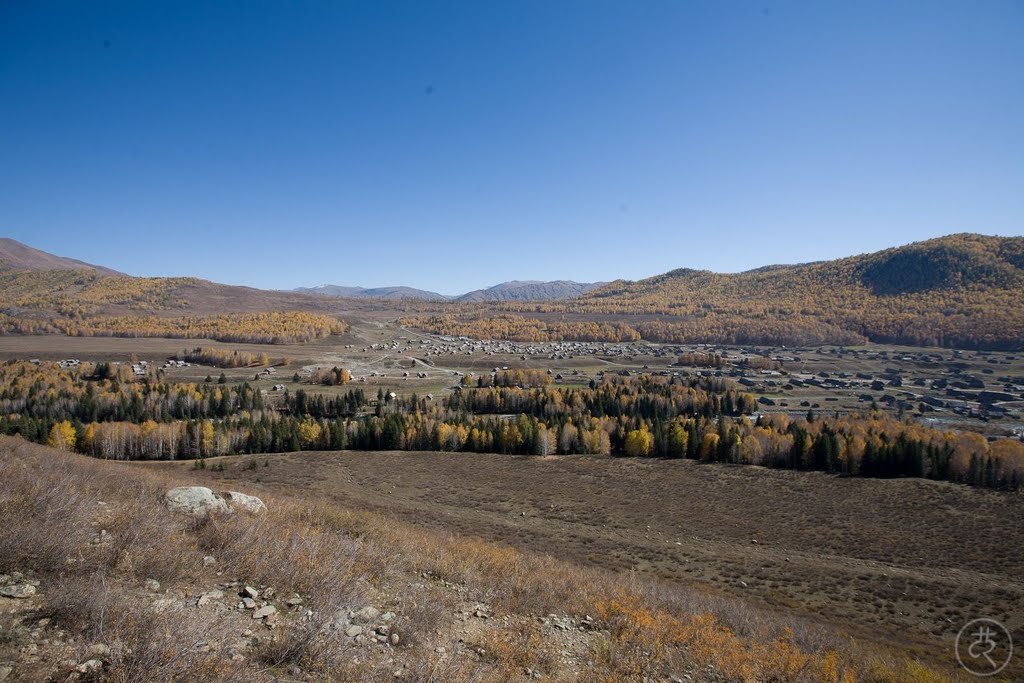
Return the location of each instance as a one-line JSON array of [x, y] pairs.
[[467, 608], [907, 560]]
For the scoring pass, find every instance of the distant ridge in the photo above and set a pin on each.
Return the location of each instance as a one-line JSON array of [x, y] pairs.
[[531, 290], [373, 292], [514, 290], [18, 256]]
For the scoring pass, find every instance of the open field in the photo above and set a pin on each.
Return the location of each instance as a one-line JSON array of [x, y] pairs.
[[907, 561]]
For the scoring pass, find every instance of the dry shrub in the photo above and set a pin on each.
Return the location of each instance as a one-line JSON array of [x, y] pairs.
[[275, 549], [505, 578], [308, 644], [150, 542], [146, 644], [422, 612], [46, 512], [512, 652], [645, 639]]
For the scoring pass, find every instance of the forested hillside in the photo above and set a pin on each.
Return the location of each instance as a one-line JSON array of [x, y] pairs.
[[86, 302], [962, 291]]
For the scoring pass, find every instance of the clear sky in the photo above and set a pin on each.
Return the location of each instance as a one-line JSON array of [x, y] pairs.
[[453, 145]]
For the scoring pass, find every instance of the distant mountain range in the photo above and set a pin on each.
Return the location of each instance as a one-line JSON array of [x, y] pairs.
[[373, 292], [514, 290], [961, 291]]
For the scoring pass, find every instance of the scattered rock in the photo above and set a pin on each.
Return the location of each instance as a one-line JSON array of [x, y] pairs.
[[99, 651], [152, 585], [264, 612], [244, 502], [209, 561], [251, 592], [208, 596], [353, 631], [195, 500], [248, 603], [366, 615], [164, 604], [18, 592], [89, 666], [395, 639]]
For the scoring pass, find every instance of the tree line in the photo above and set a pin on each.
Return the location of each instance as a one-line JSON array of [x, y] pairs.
[[700, 418]]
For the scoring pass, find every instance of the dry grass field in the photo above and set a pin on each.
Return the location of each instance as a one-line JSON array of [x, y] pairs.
[[904, 561], [100, 581]]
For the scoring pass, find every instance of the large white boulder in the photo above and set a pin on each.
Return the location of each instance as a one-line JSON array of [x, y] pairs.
[[243, 502], [195, 500]]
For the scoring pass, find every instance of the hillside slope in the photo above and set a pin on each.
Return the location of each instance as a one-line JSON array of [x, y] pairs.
[[17, 256], [962, 290], [101, 580]]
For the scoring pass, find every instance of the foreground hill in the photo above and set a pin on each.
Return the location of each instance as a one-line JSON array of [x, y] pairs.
[[962, 290], [17, 256], [101, 580]]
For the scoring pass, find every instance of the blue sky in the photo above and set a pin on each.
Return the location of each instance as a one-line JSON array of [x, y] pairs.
[[453, 145]]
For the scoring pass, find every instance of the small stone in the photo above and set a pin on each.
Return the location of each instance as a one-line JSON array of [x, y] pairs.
[[387, 616], [248, 603], [293, 602], [18, 592], [89, 666], [264, 612], [208, 596], [244, 502], [395, 639], [209, 561], [440, 650], [353, 631], [366, 614], [99, 650], [251, 592], [152, 585]]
